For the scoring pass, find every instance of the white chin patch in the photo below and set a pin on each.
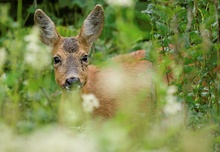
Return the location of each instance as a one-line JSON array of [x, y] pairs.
[[69, 89]]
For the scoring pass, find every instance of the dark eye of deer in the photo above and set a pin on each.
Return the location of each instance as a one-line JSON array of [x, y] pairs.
[[85, 58], [56, 60]]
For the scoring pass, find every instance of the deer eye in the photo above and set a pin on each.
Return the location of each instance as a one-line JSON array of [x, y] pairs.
[[85, 58], [56, 60]]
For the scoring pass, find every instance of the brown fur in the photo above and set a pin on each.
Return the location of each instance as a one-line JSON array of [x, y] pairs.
[[132, 67]]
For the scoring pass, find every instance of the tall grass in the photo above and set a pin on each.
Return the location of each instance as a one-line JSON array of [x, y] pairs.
[[185, 113]]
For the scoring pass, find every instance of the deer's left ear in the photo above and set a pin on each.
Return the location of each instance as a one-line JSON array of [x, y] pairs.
[[92, 26]]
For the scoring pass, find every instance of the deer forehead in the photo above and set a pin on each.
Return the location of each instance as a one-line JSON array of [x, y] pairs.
[[70, 45]]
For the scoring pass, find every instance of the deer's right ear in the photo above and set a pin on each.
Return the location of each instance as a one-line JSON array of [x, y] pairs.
[[48, 32]]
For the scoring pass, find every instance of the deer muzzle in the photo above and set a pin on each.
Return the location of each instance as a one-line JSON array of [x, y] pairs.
[[72, 84]]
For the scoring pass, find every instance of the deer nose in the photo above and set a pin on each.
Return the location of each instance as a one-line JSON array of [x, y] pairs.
[[72, 80], [72, 83]]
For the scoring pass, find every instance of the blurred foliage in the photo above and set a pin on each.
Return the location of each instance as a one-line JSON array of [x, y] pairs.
[[29, 97]]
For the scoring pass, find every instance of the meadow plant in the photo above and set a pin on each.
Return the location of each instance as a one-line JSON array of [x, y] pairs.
[[184, 114], [3, 55], [36, 55]]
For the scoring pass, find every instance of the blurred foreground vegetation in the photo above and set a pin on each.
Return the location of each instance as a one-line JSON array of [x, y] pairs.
[[186, 112]]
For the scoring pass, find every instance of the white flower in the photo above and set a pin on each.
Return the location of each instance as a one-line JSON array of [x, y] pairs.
[[3, 56], [48, 139], [90, 102], [37, 54], [123, 3], [33, 37], [3, 76], [57, 140], [172, 106]]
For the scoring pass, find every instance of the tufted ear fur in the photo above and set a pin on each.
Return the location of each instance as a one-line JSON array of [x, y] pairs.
[[92, 26], [48, 33]]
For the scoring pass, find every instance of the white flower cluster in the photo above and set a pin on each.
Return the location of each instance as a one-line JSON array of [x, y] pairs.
[[37, 54], [172, 106], [122, 3], [90, 102], [3, 56], [46, 140]]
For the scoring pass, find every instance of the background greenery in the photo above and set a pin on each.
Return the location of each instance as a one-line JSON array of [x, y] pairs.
[[29, 97]]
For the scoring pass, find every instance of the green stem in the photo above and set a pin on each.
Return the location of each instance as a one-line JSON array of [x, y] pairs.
[[35, 4], [217, 53], [19, 12]]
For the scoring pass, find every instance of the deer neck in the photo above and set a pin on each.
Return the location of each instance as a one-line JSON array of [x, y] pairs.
[[91, 79]]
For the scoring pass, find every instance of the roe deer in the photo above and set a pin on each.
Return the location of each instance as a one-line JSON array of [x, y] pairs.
[[131, 76]]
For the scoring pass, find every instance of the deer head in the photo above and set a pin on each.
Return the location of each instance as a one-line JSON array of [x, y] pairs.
[[70, 54]]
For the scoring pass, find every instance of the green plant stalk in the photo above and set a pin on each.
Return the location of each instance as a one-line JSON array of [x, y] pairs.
[[19, 12], [35, 4], [217, 53]]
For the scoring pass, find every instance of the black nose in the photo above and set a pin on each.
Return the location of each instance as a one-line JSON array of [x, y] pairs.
[[72, 80]]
